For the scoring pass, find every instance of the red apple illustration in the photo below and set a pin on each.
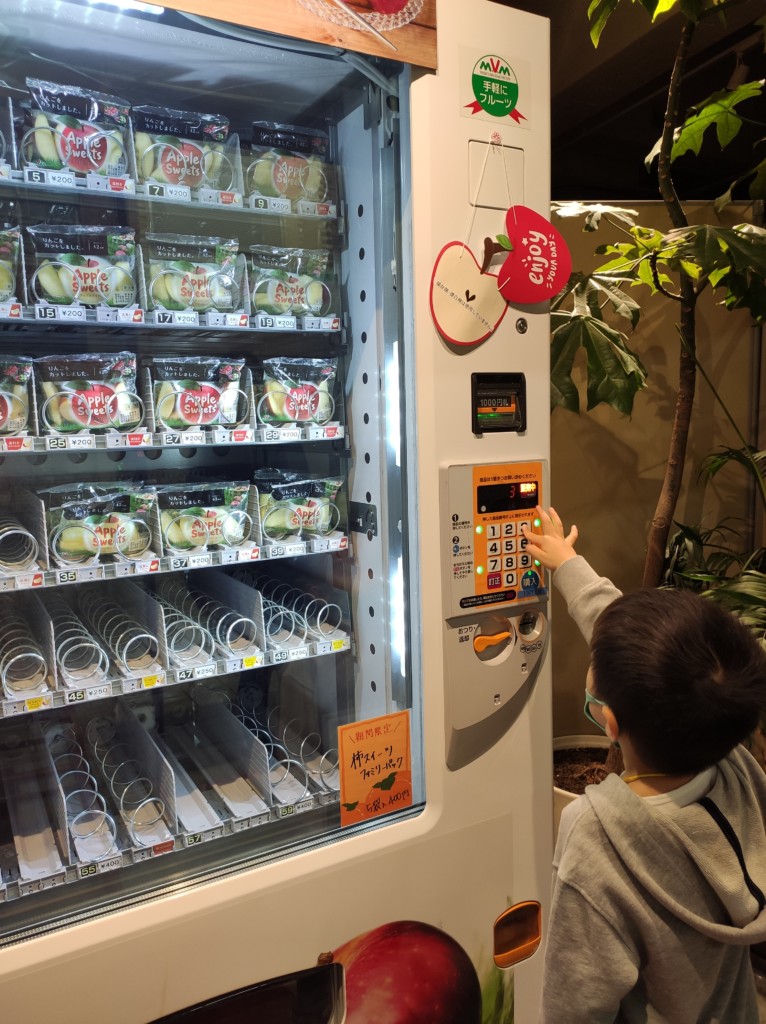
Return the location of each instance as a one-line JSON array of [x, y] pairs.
[[408, 972], [288, 175], [181, 163], [538, 264], [76, 152], [466, 305]]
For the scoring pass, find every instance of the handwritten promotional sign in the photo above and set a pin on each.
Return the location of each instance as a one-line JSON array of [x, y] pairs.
[[375, 767]]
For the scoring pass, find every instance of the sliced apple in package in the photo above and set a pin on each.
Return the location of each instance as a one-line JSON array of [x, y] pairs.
[[289, 281], [77, 130], [197, 392], [93, 392], [290, 162], [10, 236], [297, 390], [204, 515], [89, 521], [181, 147], [194, 272], [92, 265], [15, 378], [292, 503]]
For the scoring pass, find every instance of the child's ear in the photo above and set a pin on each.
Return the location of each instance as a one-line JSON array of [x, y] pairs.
[[611, 725]]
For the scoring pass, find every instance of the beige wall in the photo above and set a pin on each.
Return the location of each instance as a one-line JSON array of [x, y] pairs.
[[606, 468]]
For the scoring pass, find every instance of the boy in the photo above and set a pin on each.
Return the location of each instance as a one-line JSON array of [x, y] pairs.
[[659, 874]]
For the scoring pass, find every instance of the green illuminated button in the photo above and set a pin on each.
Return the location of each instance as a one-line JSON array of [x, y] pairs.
[[480, 529], [479, 570], [536, 562], [537, 522]]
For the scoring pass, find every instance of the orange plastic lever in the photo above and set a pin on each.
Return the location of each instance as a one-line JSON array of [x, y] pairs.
[[481, 643]]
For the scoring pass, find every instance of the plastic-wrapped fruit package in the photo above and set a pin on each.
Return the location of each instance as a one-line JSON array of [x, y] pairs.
[[10, 237], [292, 503], [294, 282], [297, 390], [204, 515], [289, 162], [192, 392], [87, 521], [193, 272], [76, 130], [88, 264], [181, 147], [15, 375], [93, 392]]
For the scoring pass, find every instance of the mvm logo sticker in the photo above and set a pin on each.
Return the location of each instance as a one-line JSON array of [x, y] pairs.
[[495, 88]]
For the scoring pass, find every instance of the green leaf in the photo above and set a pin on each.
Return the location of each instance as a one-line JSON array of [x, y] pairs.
[[757, 188], [505, 241], [717, 110], [387, 783], [721, 457], [657, 7], [599, 13], [615, 373], [352, 807], [730, 258], [593, 213], [653, 153], [565, 343]]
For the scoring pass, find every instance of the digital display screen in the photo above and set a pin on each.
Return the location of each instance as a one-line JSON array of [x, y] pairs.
[[508, 497]]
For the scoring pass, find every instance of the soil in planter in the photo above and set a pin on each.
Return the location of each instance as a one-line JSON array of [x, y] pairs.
[[574, 768]]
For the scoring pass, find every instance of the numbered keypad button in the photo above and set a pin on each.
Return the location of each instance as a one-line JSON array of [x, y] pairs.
[[510, 579], [509, 529], [509, 562], [509, 547]]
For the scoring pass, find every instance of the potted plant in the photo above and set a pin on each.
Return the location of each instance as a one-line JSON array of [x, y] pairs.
[[675, 264]]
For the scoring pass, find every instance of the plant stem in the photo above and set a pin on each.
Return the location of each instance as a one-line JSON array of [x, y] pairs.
[[671, 485], [747, 451]]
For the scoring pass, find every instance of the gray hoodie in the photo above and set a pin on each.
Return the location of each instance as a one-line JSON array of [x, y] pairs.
[[654, 910]]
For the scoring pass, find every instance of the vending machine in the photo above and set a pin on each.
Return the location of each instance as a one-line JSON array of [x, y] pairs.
[[274, 674]]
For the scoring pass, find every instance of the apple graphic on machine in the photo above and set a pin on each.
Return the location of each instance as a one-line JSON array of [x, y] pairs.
[[537, 261], [408, 972], [466, 304]]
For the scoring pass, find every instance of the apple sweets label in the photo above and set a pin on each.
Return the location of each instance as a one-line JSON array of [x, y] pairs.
[[375, 767]]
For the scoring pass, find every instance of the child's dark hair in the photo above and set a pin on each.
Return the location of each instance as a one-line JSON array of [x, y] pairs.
[[685, 678]]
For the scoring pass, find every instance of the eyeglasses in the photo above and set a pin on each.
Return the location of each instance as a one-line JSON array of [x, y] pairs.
[[590, 699]]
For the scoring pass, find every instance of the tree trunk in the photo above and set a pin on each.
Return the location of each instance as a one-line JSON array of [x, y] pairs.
[[664, 511], [671, 485]]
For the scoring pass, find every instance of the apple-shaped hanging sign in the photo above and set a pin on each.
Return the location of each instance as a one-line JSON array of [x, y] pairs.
[[538, 263], [466, 305]]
